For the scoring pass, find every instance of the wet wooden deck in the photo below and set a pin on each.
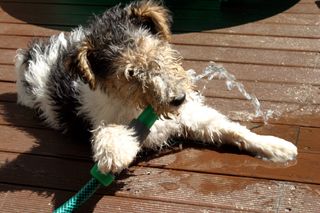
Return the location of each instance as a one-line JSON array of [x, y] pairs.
[[272, 47]]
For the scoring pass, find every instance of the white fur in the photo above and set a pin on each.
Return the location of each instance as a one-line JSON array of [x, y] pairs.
[[273, 148], [114, 147], [100, 106], [23, 97], [37, 72], [208, 125]]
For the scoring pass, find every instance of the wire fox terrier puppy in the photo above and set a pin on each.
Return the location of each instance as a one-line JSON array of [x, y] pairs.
[[98, 78]]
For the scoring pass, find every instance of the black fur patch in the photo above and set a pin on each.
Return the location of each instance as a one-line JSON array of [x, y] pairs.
[[66, 103]]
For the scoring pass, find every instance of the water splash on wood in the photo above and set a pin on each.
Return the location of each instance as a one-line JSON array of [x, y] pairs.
[[215, 71]]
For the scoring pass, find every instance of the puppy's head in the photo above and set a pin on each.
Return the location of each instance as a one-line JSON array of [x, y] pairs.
[[127, 55]]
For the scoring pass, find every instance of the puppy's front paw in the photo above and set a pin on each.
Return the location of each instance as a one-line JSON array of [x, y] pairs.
[[275, 149], [114, 148]]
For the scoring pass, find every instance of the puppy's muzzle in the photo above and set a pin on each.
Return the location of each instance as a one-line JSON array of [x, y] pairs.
[[178, 100]]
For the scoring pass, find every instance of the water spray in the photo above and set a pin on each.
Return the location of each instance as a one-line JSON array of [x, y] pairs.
[[219, 72]]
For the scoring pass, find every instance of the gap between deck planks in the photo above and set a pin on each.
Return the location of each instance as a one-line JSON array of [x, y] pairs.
[[271, 30], [222, 54], [208, 39]]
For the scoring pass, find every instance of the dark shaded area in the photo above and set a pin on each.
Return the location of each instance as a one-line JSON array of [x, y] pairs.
[[55, 156], [188, 16]]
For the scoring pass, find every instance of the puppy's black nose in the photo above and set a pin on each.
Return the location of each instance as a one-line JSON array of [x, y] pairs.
[[178, 100]]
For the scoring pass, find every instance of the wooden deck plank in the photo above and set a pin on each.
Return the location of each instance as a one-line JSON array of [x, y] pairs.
[[219, 17], [298, 19], [31, 199], [304, 8], [7, 73], [8, 91], [283, 113], [277, 92], [231, 55], [14, 42], [272, 92], [309, 139], [224, 191], [249, 56], [294, 200], [208, 39], [12, 114], [29, 30], [294, 31], [44, 142], [305, 170], [263, 73], [7, 56], [249, 72], [247, 41]]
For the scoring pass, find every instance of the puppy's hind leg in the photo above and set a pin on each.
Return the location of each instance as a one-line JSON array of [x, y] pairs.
[[203, 123], [114, 147]]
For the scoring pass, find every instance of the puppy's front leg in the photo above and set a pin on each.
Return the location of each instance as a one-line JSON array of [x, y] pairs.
[[205, 124], [114, 147]]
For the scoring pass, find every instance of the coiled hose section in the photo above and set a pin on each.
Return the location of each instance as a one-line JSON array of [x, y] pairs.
[[86, 191], [82, 196]]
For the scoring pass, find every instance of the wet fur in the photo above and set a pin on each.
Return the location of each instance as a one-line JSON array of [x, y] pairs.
[[98, 78]]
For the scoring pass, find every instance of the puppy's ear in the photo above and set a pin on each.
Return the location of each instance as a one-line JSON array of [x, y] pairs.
[[153, 16], [78, 64]]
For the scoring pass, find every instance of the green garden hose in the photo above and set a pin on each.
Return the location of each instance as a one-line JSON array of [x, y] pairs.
[[142, 127]]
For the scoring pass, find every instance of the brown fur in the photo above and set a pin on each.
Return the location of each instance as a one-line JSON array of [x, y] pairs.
[[78, 64], [151, 11], [145, 64]]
